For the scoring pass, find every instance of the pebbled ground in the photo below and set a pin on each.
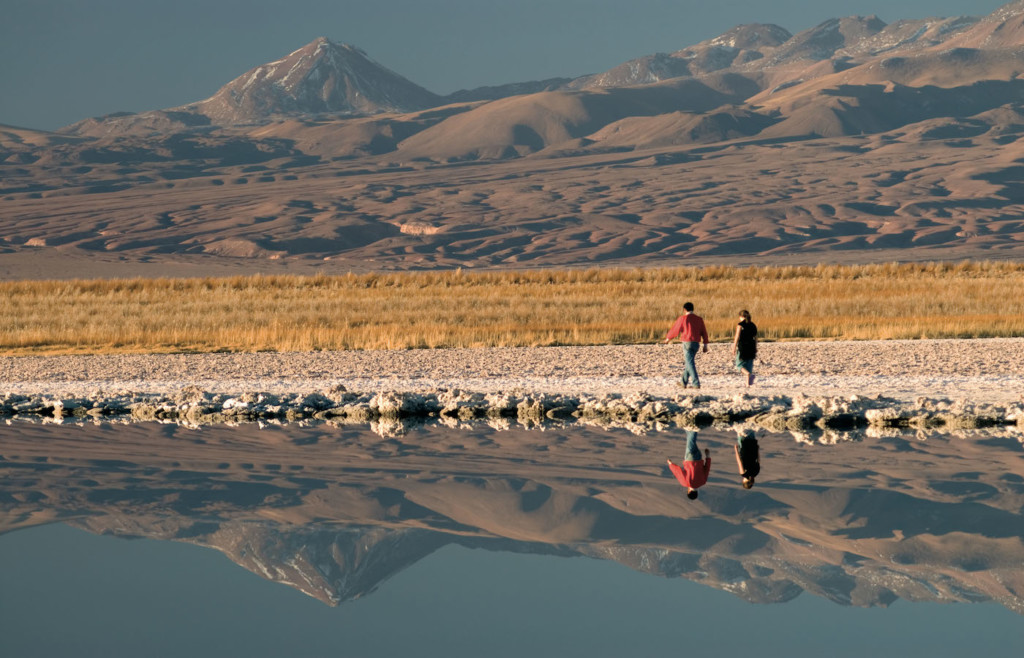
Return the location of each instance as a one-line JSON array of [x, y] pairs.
[[981, 370]]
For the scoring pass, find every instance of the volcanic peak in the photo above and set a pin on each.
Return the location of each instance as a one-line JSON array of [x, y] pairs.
[[321, 77]]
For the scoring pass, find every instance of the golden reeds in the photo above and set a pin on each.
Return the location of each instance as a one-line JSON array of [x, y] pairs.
[[456, 308]]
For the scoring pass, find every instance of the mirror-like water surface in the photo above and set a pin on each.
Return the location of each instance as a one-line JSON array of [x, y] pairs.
[[469, 541]]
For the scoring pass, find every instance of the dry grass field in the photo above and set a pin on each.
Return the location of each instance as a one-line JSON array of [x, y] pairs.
[[461, 309]]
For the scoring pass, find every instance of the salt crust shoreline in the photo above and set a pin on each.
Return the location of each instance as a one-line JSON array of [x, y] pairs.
[[949, 384]]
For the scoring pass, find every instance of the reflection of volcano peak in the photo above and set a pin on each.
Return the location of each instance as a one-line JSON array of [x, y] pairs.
[[329, 564]]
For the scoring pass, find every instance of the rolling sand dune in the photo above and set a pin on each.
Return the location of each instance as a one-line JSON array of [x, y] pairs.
[[944, 189]]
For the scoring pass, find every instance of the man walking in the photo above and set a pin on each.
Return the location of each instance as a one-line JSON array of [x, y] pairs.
[[693, 474], [691, 331]]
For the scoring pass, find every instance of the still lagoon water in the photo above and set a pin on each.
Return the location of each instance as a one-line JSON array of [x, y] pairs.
[[161, 540]]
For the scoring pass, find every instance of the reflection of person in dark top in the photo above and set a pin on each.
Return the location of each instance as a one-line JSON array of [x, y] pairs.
[[748, 459], [693, 474], [744, 346]]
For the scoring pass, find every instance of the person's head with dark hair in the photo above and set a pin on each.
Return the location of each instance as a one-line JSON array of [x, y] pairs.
[[688, 307], [691, 494], [745, 315], [748, 483]]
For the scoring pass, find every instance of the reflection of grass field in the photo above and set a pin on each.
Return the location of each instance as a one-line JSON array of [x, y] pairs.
[[456, 308]]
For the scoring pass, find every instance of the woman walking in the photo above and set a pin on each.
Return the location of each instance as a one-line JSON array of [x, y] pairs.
[[744, 346]]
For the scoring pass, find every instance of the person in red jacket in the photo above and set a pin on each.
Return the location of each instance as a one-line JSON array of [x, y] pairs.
[[693, 474], [690, 328]]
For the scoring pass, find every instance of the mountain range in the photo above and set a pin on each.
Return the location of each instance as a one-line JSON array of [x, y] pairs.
[[855, 139]]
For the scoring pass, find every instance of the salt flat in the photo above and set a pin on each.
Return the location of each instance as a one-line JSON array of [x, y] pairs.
[[980, 370]]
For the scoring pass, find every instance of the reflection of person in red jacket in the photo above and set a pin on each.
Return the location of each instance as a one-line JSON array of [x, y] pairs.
[[693, 474]]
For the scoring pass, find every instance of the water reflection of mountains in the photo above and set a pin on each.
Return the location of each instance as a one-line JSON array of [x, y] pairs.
[[335, 512]]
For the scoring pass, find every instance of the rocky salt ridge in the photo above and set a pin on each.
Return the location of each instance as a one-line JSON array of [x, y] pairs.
[[835, 385], [194, 406]]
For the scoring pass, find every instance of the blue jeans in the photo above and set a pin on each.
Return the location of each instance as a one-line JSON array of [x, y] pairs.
[[690, 377], [692, 449]]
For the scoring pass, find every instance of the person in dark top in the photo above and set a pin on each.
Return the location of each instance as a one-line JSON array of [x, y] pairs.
[[748, 458], [744, 346]]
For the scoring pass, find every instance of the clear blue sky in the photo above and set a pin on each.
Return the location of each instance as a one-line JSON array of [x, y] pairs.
[[65, 60]]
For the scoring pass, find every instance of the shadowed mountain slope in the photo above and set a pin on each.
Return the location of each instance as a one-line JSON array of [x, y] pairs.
[[526, 124], [1003, 28]]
